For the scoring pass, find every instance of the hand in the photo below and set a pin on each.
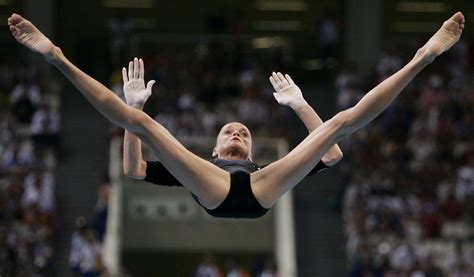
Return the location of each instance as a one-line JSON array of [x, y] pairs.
[[134, 84], [287, 93], [27, 34]]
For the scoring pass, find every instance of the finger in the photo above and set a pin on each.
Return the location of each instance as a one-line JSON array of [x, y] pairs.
[[136, 70], [130, 70], [274, 84], [278, 83], [282, 79], [290, 81], [124, 75], [150, 84], [142, 69]]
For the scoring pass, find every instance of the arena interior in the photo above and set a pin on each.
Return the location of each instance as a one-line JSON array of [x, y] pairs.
[[399, 203]]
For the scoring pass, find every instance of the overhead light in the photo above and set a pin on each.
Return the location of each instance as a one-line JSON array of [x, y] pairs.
[[313, 64], [141, 4], [414, 27], [422, 7], [272, 5], [267, 42], [278, 25]]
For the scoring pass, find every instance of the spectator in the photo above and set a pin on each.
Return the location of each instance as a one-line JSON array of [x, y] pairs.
[[24, 100], [99, 218], [45, 128], [77, 242], [235, 270], [207, 268], [90, 264]]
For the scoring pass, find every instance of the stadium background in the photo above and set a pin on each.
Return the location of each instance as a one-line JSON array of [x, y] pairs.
[[335, 51]]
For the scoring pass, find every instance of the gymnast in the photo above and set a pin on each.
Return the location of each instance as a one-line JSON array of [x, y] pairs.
[[211, 183], [233, 146]]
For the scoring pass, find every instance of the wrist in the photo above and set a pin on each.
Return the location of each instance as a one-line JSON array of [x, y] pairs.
[[136, 106], [54, 55], [299, 105]]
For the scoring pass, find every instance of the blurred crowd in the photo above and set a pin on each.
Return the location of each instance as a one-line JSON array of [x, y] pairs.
[[85, 256], [409, 187], [203, 85], [29, 147], [260, 268]]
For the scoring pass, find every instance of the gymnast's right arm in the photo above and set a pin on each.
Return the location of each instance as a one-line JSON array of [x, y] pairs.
[[136, 94]]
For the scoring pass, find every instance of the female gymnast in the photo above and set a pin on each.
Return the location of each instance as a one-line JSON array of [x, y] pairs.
[[210, 183], [233, 148]]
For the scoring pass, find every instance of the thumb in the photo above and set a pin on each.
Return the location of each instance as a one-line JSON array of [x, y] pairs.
[[277, 96], [150, 84]]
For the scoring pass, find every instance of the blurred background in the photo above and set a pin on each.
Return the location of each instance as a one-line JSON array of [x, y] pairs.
[[400, 203]]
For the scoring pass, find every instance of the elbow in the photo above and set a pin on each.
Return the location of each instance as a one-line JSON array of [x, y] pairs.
[[127, 172], [333, 158], [134, 174]]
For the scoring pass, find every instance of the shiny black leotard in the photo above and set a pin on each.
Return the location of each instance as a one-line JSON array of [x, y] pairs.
[[240, 201]]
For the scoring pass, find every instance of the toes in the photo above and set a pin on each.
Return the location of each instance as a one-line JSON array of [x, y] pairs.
[[16, 18], [458, 17]]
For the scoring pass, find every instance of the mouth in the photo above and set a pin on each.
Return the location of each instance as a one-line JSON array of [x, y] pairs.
[[236, 138]]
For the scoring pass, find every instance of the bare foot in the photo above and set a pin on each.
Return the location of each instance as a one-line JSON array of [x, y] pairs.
[[27, 34], [445, 37]]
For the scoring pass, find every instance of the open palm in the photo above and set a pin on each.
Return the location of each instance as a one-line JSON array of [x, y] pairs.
[[136, 94], [286, 92]]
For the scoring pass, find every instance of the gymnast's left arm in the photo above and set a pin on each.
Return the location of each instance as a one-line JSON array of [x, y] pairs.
[[289, 94]]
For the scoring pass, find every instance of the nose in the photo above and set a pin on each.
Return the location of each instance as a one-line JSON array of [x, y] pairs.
[[236, 132]]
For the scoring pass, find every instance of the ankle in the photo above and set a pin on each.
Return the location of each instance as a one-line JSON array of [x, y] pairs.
[[424, 56], [53, 56]]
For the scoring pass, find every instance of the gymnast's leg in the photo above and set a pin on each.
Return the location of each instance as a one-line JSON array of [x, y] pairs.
[[211, 187], [270, 183]]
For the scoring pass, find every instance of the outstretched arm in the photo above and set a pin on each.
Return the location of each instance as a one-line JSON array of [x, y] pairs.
[[289, 94], [136, 94]]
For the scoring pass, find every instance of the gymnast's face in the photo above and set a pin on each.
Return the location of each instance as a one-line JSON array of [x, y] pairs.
[[234, 142]]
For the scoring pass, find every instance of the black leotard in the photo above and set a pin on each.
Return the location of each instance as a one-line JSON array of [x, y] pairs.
[[240, 201]]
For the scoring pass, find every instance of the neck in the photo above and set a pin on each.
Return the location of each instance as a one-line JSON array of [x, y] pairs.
[[232, 156]]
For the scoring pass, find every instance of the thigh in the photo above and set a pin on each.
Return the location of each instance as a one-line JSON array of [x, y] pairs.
[[271, 182], [208, 182]]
